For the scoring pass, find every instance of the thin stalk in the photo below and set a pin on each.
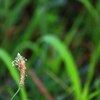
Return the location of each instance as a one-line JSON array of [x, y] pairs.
[[15, 94], [59, 81]]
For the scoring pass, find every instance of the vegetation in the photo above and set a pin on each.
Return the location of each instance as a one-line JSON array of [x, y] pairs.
[[60, 40]]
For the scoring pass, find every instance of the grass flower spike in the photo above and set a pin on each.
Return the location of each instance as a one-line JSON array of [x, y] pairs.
[[20, 62]]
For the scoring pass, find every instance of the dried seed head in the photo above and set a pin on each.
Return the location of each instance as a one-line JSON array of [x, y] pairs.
[[19, 60]]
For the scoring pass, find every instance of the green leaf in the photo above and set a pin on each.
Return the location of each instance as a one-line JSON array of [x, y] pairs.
[[6, 58], [71, 67]]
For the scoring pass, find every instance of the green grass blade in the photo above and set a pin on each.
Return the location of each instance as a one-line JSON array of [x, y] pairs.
[[91, 9], [98, 7], [27, 45], [94, 94], [74, 28], [5, 57], [14, 14], [59, 81], [71, 67], [94, 59], [33, 23]]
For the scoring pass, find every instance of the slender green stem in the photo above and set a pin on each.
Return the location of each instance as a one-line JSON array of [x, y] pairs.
[[59, 81], [15, 94], [94, 94]]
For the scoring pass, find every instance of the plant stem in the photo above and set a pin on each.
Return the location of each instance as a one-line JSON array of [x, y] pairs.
[[15, 94], [40, 85]]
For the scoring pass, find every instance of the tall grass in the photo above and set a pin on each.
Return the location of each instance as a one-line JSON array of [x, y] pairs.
[[58, 40]]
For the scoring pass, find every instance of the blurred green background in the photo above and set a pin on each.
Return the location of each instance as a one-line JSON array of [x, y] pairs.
[[61, 41]]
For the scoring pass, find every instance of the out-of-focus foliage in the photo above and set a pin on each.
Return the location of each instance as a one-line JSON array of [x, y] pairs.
[[61, 41]]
